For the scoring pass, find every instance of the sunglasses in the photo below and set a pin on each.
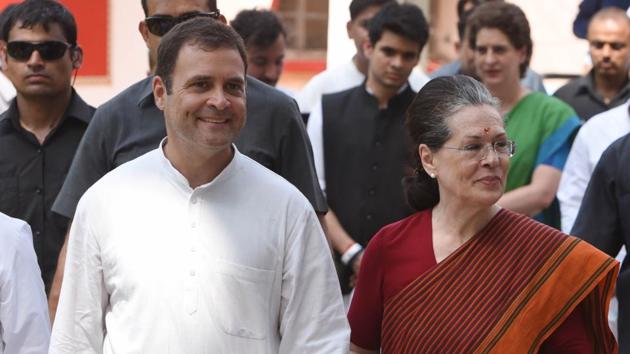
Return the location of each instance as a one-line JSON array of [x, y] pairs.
[[159, 25], [48, 50]]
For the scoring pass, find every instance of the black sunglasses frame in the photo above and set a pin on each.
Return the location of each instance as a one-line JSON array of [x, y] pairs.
[[159, 25], [48, 50]]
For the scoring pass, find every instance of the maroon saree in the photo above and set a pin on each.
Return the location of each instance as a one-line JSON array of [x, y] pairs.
[[504, 291]]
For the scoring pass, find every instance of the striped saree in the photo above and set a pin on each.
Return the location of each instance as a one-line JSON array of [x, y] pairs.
[[504, 291]]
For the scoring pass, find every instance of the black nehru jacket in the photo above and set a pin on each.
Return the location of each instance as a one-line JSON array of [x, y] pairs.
[[604, 221], [366, 156], [31, 175], [130, 125]]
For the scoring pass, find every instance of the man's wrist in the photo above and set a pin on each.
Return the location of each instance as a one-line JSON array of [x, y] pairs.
[[351, 253]]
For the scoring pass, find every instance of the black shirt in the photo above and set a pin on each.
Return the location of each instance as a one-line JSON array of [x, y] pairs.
[[582, 95], [130, 125], [604, 221], [31, 175], [366, 156]]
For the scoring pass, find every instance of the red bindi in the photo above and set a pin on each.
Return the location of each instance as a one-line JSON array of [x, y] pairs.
[[486, 130]]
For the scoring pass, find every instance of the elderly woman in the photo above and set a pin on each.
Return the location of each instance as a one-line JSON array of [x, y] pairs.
[[543, 127], [464, 275]]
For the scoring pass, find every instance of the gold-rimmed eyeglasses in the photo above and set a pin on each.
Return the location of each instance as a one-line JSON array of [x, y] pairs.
[[503, 148]]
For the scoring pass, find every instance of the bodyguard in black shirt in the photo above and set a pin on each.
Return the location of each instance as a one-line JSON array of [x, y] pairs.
[[604, 221], [41, 130]]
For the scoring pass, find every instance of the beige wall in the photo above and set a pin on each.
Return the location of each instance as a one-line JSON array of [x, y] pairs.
[[556, 49], [128, 58]]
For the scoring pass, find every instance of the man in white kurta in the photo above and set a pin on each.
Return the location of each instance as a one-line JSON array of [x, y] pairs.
[[24, 322], [161, 260]]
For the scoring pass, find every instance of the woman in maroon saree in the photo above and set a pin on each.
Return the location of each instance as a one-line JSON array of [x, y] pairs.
[[464, 275]]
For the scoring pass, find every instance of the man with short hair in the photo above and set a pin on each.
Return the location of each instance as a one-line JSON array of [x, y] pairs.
[[352, 73], [24, 323], [607, 85], [603, 221], [43, 126], [359, 140], [265, 40], [130, 124], [174, 252]]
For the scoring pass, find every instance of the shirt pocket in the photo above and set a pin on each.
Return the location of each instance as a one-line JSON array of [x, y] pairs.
[[9, 196], [241, 299]]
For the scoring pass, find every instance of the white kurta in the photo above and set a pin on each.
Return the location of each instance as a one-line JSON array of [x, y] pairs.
[[341, 78], [239, 265], [24, 320], [592, 139]]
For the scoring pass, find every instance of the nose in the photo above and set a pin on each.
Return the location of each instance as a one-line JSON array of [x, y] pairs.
[[397, 61], [489, 155], [35, 60], [606, 50], [489, 57], [218, 100]]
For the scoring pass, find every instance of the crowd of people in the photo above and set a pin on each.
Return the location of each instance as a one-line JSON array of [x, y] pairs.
[[205, 210]]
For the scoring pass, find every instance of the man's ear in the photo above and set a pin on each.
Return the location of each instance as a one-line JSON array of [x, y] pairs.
[[144, 31], [349, 29], [159, 92], [368, 49], [222, 19], [77, 57], [3, 55]]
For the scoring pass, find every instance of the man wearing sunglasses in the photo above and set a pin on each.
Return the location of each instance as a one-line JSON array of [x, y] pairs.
[[130, 125], [43, 126]]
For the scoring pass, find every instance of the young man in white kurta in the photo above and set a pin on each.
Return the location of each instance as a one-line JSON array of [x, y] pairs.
[[238, 265], [193, 247]]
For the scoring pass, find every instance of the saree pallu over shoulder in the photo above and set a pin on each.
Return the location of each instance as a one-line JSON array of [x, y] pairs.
[[504, 291]]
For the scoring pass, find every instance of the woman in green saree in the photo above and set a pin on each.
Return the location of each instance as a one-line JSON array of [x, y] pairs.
[[543, 127]]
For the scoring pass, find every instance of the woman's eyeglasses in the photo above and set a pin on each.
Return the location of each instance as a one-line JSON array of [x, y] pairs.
[[504, 148], [159, 25], [48, 50]]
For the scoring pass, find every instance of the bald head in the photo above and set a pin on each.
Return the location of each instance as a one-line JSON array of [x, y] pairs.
[[609, 43]]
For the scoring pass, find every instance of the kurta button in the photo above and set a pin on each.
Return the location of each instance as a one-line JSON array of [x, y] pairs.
[[39, 151], [374, 167], [378, 143], [193, 224], [371, 191], [193, 200], [369, 216], [192, 273], [37, 233], [38, 191]]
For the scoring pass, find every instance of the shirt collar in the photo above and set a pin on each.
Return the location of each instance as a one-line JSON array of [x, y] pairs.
[[146, 92], [181, 181], [77, 109], [587, 83]]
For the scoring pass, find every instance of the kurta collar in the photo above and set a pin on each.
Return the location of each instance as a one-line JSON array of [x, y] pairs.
[[175, 176]]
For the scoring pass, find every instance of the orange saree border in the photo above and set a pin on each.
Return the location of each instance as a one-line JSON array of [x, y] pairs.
[[505, 291], [543, 305]]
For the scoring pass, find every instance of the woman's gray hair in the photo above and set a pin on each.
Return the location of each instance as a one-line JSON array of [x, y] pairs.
[[427, 123]]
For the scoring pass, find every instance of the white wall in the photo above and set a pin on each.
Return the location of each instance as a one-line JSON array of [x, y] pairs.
[[340, 47]]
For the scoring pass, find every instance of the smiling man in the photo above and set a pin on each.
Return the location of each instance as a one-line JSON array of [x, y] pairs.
[[130, 124], [177, 252], [359, 141], [41, 130]]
